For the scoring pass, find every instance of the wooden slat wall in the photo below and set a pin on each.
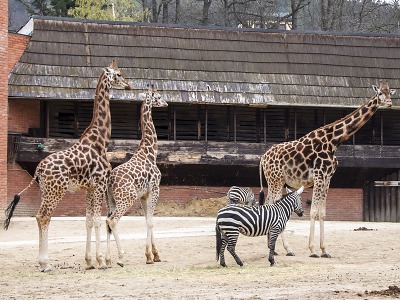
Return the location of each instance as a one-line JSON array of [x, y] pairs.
[[382, 204], [69, 120]]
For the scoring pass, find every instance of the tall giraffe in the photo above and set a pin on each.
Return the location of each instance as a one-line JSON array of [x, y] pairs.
[[138, 178], [84, 166], [311, 161]]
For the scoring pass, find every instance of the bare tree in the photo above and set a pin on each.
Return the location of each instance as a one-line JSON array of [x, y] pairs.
[[206, 8], [177, 11], [296, 6]]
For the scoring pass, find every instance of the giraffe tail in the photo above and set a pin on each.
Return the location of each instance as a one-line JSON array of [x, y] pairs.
[[11, 207], [261, 197], [10, 211], [108, 225]]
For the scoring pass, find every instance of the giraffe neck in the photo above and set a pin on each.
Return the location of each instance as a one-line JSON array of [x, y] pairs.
[[98, 133], [148, 143], [338, 132]]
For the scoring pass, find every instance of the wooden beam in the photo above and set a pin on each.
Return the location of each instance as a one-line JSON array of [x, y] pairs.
[[387, 183]]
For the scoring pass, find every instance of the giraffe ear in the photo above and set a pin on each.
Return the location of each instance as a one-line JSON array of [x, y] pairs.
[[300, 190], [392, 92], [376, 89]]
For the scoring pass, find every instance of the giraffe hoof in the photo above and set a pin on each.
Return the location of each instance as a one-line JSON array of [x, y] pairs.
[[46, 270], [290, 254], [121, 264], [325, 255], [103, 267], [150, 262], [157, 259], [315, 255], [90, 267], [108, 263]]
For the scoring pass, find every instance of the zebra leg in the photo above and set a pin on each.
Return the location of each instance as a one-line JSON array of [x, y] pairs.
[[224, 242], [272, 242], [231, 248]]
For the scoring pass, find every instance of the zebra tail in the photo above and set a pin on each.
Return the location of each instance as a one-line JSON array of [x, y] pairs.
[[10, 211], [218, 240]]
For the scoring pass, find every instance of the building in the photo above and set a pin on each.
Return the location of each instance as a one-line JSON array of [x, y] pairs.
[[232, 93]]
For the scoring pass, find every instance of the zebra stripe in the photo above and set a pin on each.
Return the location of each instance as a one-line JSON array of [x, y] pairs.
[[254, 221], [240, 195]]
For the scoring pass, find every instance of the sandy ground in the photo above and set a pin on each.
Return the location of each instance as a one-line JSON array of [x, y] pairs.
[[364, 263]]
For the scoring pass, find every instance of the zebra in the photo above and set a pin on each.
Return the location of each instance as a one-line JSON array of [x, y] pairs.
[[241, 195], [254, 221]]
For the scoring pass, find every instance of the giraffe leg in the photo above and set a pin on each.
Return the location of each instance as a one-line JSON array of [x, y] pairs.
[[151, 250], [311, 238], [108, 249], [112, 222], [322, 236], [289, 251], [43, 219], [314, 211], [43, 224], [99, 196], [319, 209], [99, 255], [88, 255]]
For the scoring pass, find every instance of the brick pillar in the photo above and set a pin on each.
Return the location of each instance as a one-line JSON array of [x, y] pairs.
[[3, 101]]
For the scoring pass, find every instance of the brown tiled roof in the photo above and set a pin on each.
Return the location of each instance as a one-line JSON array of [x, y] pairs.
[[206, 65]]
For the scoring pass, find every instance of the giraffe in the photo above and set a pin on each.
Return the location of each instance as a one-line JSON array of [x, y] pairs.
[[84, 166], [138, 178], [310, 161]]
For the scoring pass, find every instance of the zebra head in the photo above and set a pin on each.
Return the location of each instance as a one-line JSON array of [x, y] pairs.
[[298, 209]]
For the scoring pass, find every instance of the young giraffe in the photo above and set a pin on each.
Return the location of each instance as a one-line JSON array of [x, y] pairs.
[[138, 178], [84, 166], [310, 161]]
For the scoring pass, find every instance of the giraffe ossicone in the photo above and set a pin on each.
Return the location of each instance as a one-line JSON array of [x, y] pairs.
[[84, 166], [310, 161]]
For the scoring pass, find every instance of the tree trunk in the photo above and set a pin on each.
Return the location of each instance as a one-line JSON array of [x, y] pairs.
[[206, 7], [165, 15], [177, 11]]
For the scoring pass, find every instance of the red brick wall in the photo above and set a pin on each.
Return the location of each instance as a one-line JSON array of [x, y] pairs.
[[23, 114], [17, 44], [342, 204], [3, 100]]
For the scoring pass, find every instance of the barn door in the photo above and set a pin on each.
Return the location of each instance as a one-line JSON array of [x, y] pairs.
[[382, 199]]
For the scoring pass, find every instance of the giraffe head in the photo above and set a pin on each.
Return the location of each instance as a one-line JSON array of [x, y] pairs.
[[115, 77], [384, 94], [153, 97]]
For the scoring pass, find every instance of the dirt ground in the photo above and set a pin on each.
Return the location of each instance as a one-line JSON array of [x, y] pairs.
[[365, 262]]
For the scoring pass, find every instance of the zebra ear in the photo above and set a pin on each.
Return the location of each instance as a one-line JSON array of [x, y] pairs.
[[288, 191], [300, 190]]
